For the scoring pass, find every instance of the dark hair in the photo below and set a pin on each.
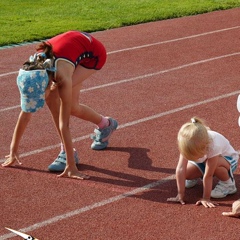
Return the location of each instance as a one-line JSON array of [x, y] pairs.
[[44, 52], [46, 48]]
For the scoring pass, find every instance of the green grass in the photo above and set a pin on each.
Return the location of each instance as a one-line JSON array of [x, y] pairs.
[[23, 21]]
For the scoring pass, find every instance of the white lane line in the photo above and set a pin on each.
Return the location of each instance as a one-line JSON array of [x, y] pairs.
[[9, 73], [159, 115], [146, 75], [154, 44], [9, 108], [162, 71], [175, 40], [89, 207]]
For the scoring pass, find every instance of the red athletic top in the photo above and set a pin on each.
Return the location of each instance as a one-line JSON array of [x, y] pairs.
[[79, 48]]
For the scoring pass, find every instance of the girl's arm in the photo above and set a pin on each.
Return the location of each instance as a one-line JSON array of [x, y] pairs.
[[180, 178], [211, 165], [20, 127], [181, 175]]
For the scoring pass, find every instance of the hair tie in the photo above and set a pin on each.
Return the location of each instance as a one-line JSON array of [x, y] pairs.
[[42, 54], [40, 61], [193, 120]]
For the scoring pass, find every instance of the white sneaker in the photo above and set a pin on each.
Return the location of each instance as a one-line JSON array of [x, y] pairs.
[[223, 189], [191, 183]]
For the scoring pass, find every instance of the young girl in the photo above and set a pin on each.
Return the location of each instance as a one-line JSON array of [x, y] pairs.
[[204, 154], [76, 56]]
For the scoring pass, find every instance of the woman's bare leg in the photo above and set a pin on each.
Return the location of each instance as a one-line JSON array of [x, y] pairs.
[[80, 110]]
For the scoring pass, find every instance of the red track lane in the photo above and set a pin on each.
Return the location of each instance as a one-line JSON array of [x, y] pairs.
[[158, 75]]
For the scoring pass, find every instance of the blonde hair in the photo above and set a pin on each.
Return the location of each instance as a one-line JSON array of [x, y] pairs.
[[193, 139]]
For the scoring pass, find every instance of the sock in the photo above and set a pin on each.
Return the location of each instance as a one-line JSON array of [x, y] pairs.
[[62, 148], [104, 123], [229, 181]]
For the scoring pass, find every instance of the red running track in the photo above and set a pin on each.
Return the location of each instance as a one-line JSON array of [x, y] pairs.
[[158, 75]]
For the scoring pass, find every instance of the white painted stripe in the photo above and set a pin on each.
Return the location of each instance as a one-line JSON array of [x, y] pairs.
[[162, 71], [146, 75], [89, 207], [9, 73], [9, 108], [175, 40]]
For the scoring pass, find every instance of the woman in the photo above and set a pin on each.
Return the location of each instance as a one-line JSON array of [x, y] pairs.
[[76, 56]]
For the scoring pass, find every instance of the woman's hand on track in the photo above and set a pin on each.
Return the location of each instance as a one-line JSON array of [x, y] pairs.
[[11, 159]]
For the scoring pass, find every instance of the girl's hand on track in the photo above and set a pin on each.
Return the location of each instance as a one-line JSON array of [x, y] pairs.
[[206, 203], [176, 199]]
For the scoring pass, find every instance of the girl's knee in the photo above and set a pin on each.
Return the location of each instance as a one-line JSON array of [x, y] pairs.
[[222, 162]]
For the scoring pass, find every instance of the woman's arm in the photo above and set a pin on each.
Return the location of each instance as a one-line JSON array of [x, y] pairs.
[[64, 75], [20, 127]]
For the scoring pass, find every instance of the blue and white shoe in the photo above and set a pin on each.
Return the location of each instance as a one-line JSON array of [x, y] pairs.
[[191, 183], [222, 189], [102, 136], [59, 163]]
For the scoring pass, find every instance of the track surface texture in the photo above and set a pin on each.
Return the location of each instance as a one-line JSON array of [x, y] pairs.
[[158, 75]]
